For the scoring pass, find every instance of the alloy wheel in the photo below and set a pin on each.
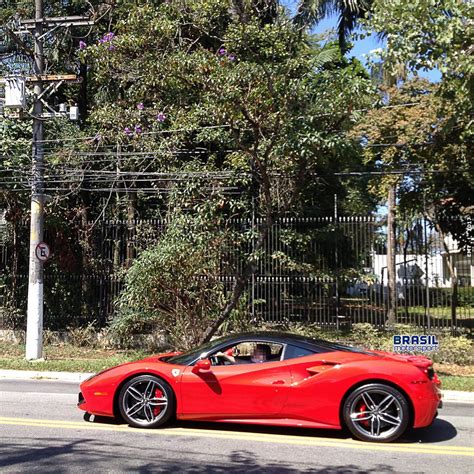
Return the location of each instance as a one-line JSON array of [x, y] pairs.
[[376, 412], [145, 401]]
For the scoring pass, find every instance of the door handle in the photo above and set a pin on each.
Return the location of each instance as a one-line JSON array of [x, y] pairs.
[[278, 382]]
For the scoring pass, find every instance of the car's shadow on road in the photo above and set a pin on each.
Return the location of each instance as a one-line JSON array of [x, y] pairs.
[[440, 430]]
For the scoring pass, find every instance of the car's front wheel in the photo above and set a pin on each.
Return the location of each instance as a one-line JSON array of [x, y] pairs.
[[146, 401], [376, 412]]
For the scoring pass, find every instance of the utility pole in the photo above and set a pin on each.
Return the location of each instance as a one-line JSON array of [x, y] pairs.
[[15, 101], [40, 27], [34, 331]]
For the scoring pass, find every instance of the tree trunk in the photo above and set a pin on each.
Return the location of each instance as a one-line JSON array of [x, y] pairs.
[[391, 258], [452, 274], [239, 287], [454, 293], [406, 293], [83, 99]]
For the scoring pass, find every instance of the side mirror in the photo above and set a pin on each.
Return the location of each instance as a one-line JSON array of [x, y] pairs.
[[202, 365]]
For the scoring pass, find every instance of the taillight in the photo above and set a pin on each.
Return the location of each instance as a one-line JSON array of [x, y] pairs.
[[430, 373]]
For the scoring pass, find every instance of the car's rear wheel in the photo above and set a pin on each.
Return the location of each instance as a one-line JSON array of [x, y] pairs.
[[146, 401], [376, 412]]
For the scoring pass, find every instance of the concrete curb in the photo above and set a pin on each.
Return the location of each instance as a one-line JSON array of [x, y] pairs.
[[73, 377], [458, 396], [76, 377]]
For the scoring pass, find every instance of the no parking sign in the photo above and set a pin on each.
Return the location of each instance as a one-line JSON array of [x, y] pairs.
[[42, 251]]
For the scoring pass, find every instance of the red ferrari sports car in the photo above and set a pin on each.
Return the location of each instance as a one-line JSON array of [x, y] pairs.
[[273, 379]]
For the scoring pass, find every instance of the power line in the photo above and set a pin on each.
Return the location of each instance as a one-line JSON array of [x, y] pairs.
[[97, 138], [100, 177]]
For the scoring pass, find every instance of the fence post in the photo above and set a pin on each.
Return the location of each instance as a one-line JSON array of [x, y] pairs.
[[336, 263]]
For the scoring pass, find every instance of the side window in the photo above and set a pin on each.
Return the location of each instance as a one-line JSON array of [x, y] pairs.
[[292, 352], [249, 352]]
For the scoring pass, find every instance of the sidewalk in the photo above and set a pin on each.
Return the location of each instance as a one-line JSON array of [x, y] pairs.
[[76, 377]]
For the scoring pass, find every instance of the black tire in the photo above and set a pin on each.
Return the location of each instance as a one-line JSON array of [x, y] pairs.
[[376, 412], [146, 401]]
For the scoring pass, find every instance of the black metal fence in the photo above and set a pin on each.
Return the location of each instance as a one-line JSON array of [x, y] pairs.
[[325, 270]]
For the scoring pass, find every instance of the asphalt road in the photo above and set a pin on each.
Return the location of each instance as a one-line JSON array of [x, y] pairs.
[[41, 430]]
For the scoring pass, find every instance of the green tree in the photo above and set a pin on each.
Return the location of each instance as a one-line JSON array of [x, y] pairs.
[[310, 12], [175, 286], [410, 134], [435, 35], [233, 92], [266, 89], [428, 35]]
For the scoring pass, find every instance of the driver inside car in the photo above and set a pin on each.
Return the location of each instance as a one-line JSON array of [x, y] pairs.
[[261, 353]]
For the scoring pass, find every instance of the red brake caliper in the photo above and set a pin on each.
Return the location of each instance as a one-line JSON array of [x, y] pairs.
[[363, 408], [157, 409]]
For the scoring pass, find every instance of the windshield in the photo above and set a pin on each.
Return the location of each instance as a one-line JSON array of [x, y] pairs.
[[187, 357]]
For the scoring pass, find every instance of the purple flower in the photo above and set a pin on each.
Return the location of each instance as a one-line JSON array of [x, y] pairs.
[[161, 117], [127, 131], [138, 129], [231, 57], [82, 45], [111, 47], [222, 52], [140, 106], [108, 37]]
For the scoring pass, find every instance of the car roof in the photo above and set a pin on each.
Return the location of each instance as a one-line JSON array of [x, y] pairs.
[[279, 337], [275, 337]]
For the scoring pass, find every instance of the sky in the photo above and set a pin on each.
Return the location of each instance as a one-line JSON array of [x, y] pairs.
[[361, 47]]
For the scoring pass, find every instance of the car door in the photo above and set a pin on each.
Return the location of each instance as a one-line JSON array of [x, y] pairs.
[[254, 390], [312, 397]]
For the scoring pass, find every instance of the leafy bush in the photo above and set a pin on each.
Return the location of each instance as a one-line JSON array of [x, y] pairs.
[[51, 338], [308, 330], [174, 286], [12, 317], [83, 336], [466, 296], [454, 350], [365, 334], [239, 320]]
